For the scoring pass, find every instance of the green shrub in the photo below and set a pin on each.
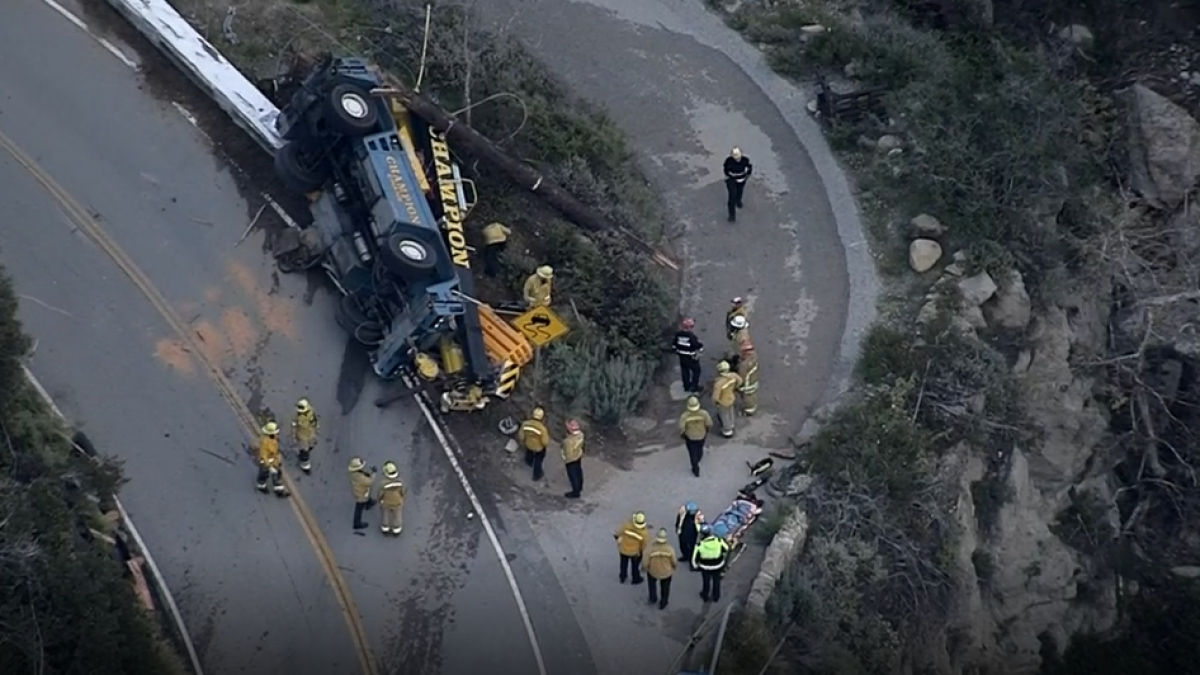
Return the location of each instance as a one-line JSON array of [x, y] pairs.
[[65, 605], [873, 443], [591, 376]]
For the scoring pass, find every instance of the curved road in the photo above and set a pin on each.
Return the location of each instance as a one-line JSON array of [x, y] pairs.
[[157, 334]]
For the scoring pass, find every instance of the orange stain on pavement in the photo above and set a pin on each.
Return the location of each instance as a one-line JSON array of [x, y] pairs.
[[276, 314], [239, 331], [175, 355]]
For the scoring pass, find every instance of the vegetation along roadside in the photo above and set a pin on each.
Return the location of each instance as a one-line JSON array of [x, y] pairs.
[[66, 602], [980, 500]]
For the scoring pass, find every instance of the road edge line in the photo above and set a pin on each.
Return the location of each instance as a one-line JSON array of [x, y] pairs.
[[444, 440], [159, 580]]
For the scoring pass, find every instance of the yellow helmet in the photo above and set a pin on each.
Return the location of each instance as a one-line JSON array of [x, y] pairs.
[[723, 367], [639, 519], [357, 464], [545, 272], [302, 406], [539, 414], [693, 403], [390, 470], [270, 429], [662, 536]]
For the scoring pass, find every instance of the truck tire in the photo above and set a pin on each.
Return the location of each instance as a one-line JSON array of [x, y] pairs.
[[350, 110], [298, 170], [355, 322], [407, 257]]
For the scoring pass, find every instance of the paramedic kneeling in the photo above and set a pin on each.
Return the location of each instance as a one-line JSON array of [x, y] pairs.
[[710, 556]]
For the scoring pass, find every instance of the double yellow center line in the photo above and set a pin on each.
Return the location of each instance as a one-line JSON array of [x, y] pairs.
[[88, 225]]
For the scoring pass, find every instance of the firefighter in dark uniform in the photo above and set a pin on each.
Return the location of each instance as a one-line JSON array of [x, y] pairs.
[[737, 172], [688, 522], [688, 347], [711, 555]]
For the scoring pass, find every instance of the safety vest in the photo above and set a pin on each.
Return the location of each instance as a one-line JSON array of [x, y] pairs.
[[710, 553], [697, 520]]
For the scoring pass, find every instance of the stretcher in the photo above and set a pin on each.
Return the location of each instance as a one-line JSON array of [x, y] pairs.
[[732, 524]]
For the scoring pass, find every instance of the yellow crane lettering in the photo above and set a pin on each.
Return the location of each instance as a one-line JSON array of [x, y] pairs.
[[448, 192]]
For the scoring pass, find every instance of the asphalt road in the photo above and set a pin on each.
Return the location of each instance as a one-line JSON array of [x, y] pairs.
[[245, 571]]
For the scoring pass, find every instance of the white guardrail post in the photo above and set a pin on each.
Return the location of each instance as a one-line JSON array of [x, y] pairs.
[[207, 68]]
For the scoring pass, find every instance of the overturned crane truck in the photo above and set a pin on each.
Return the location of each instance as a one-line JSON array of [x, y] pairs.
[[383, 187], [389, 205]]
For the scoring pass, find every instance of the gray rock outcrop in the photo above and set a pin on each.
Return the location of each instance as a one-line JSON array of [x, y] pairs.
[[1164, 148]]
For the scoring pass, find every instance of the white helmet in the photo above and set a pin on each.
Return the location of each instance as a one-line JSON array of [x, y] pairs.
[[739, 322]]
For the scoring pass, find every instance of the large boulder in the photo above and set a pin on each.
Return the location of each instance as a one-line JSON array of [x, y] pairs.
[[927, 226], [977, 289], [1164, 148], [1011, 307], [923, 254]]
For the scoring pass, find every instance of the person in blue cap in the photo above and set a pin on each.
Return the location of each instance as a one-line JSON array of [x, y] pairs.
[[687, 528]]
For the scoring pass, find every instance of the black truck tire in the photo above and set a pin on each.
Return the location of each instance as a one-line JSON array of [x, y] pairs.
[[350, 110], [407, 257], [299, 172], [357, 324]]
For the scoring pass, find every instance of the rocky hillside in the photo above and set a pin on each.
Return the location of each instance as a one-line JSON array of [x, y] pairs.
[[1016, 469]]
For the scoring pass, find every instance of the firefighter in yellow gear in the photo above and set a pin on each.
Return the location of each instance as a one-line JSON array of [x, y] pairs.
[[534, 437], [748, 371], [270, 461], [737, 307], [725, 397], [659, 565], [361, 481], [741, 333], [572, 456], [304, 433], [391, 500], [631, 542], [537, 287], [694, 425], [495, 240]]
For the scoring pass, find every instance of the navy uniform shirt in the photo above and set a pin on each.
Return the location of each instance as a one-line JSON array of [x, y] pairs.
[[687, 344], [738, 169]]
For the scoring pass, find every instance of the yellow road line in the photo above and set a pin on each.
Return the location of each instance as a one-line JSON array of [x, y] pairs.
[[83, 218]]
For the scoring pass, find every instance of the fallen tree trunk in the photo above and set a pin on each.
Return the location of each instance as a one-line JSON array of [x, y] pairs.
[[460, 135]]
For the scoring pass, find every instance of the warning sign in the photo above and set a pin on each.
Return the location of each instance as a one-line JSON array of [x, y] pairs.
[[540, 326]]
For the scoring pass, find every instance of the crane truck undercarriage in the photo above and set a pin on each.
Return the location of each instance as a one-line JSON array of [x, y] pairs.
[[389, 203]]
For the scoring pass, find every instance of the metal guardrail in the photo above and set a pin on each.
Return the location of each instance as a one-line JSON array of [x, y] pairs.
[[163, 26], [160, 584]]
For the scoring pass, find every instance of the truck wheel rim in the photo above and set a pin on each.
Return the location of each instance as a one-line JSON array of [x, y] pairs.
[[355, 106], [412, 250]]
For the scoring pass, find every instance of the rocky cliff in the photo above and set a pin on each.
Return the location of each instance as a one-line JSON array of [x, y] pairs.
[[1104, 358]]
